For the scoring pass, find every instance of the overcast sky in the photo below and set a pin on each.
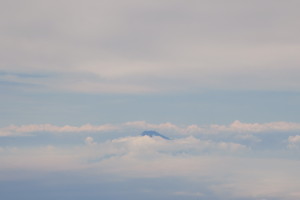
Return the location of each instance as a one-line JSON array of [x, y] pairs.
[[80, 80]]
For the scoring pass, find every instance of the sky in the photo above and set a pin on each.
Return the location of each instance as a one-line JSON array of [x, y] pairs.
[[81, 80]]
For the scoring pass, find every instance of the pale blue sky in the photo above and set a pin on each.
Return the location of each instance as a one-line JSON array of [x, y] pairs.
[[206, 107]]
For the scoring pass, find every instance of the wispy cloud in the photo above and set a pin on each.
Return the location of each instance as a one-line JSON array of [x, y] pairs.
[[294, 142], [238, 126], [18, 130], [90, 141], [235, 127]]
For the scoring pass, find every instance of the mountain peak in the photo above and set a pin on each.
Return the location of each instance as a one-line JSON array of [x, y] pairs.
[[154, 133]]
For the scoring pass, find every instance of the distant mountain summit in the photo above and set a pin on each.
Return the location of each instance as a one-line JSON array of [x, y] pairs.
[[154, 133]]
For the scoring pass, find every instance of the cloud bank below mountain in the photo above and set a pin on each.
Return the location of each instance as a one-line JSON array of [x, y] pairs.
[[237, 164]]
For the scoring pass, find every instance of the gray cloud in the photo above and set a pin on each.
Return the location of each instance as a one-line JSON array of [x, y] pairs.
[[151, 46]]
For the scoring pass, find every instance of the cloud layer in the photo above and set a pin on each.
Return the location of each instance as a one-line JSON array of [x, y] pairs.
[[234, 127], [149, 46], [212, 169], [235, 161]]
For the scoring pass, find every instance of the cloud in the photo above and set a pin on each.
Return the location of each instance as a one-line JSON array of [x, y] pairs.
[[262, 179], [90, 141], [187, 145], [294, 139], [160, 127], [123, 149], [17, 130], [151, 46], [236, 127], [226, 169], [294, 142], [40, 159]]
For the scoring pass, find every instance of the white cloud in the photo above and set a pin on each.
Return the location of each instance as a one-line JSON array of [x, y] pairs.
[[236, 127], [294, 139], [294, 142], [169, 127], [90, 141], [225, 168], [17, 130], [188, 145]]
